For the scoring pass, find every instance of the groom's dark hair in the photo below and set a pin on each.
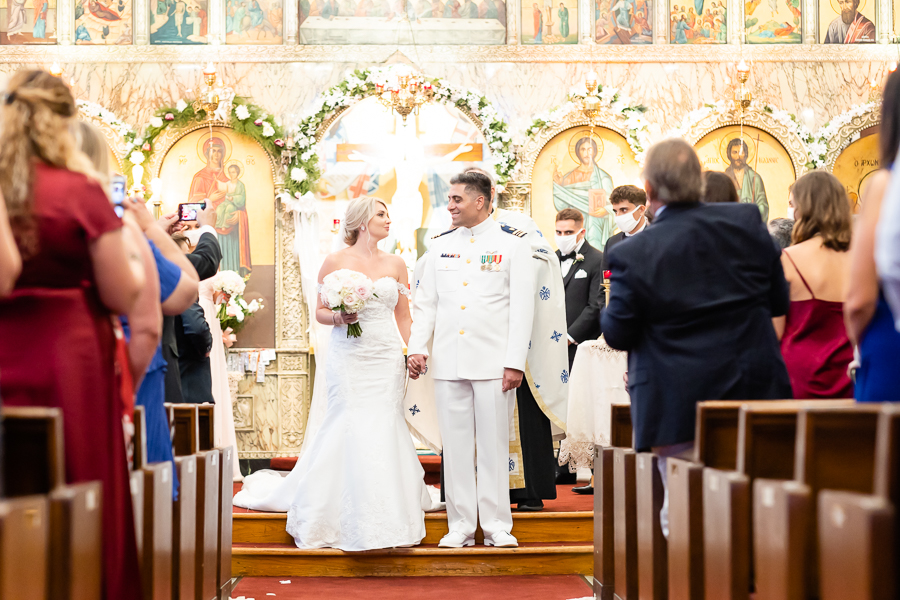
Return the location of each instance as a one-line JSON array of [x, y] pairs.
[[475, 182]]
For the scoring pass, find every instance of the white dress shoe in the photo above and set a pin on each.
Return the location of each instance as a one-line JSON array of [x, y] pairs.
[[455, 539], [501, 539]]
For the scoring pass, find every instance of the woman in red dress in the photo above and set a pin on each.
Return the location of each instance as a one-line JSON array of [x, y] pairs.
[[814, 340], [59, 345], [10, 261]]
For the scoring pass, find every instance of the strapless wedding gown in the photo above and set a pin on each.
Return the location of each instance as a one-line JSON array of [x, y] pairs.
[[359, 485]]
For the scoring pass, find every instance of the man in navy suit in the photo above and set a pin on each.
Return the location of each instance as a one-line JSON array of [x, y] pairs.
[[692, 302]]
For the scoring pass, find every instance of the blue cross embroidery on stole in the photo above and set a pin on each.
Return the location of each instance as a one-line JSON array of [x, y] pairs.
[[545, 293], [512, 465], [564, 376], [415, 410], [556, 335]]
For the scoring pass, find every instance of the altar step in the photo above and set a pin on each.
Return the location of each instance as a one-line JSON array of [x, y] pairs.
[[542, 527], [285, 560]]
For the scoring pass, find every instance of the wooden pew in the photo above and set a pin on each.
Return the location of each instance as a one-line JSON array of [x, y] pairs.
[[226, 517], [726, 535], [136, 481], [184, 422], [604, 544], [76, 539], [620, 426], [207, 526], [685, 542], [625, 525], [184, 530], [139, 456], [835, 449], [24, 552], [206, 424], [156, 564], [858, 532], [33, 460], [651, 544]]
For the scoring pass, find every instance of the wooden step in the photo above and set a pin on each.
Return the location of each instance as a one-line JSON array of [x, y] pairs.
[[268, 528], [281, 560]]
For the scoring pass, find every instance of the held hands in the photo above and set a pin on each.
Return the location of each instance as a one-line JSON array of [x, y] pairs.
[[512, 378], [416, 365]]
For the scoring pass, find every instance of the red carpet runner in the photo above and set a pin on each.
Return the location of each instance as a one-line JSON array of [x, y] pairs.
[[548, 587]]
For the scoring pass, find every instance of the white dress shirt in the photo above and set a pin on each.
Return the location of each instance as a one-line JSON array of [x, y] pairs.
[[565, 265]]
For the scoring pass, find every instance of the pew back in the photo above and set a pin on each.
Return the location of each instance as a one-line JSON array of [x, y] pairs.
[[24, 539], [33, 460]]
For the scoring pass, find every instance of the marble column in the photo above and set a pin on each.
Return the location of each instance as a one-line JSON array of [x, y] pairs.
[[291, 22], [513, 12], [216, 22], [885, 21], [735, 18], [141, 10], [810, 9], [585, 22], [661, 22], [65, 23]]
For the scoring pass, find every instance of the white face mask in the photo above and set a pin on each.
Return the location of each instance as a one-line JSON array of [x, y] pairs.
[[566, 243], [627, 222], [790, 213]]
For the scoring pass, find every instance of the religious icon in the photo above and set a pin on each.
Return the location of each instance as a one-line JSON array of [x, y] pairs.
[[370, 151], [550, 22], [855, 165], [233, 175], [757, 164], [847, 21], [179, 21], [28, 22], [481, 22], [623, 21], [698, 22], [99, 23], [254, 21], [579, 169], [773, 22]]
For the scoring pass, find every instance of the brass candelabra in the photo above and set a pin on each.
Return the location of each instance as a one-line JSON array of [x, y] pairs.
[[405, 95]]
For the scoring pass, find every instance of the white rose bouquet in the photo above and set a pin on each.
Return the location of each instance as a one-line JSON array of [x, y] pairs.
[[228, 290], [347, 291]]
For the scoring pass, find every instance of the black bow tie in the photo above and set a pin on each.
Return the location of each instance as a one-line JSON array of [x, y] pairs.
[[570, 256]]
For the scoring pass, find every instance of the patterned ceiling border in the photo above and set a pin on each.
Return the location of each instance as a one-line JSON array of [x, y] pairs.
[[660, 53]]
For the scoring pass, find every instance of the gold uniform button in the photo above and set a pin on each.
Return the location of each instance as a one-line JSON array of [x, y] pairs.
[[471, 240], [463, 307], [461, 332], [468, 260]]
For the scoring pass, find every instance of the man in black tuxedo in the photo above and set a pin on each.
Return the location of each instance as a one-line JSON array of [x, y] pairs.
[[581, 267], [194, 341], [692, 302], [629, 204], [205, 259]]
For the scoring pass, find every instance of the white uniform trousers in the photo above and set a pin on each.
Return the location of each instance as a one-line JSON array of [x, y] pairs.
[[470, 414]]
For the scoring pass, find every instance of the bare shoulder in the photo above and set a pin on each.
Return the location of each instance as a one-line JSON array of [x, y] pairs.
[[332, 262], [398, 267]]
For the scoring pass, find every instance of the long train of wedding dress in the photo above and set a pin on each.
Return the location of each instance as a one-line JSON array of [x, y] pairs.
[[359, 485]]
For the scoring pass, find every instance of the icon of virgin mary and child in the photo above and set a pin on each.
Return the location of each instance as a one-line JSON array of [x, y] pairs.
[[219, 183]]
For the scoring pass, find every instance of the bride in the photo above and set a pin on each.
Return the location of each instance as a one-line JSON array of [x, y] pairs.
[[359, 485]]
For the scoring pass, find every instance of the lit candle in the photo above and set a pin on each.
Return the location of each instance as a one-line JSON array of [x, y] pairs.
[[591, 79], [743, 67], [210, 69], [55, 69]]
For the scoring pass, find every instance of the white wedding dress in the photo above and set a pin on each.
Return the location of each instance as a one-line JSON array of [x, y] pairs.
[[359, 485]]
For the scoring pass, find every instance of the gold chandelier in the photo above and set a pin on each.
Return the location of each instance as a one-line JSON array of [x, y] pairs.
[[404, 93], [742, 96]]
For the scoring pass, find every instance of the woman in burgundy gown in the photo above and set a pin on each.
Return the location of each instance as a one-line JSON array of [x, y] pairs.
[[59, 346], [814, 341]]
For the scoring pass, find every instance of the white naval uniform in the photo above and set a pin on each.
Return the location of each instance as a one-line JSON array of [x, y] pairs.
[[481, 323]]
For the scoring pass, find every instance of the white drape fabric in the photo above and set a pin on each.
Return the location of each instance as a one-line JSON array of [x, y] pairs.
[[596, 384]]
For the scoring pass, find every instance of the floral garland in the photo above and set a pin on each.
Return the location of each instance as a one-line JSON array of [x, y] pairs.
[[236, 112], [361, 84], [94, 110], [814, 144], [612, 100], [828, 132]]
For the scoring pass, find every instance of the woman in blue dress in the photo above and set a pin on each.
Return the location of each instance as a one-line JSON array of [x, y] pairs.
[[870, 324]]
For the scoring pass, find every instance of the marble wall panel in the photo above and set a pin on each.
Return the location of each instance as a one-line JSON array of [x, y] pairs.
[[265, 437]]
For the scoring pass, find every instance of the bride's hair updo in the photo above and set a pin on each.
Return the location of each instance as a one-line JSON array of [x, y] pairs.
[[359, 212]]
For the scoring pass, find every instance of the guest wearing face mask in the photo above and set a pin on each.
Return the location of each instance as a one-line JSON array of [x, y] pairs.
[[629, 204]]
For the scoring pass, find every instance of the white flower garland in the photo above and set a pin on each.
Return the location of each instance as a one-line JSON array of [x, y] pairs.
[[828, 132], [620, 106], [361, 84], [92, 109]]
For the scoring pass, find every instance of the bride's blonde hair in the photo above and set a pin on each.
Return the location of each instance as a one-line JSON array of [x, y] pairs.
[[359, 212]]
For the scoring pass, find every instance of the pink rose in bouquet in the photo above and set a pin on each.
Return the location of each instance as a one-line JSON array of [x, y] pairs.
[[347, 291]]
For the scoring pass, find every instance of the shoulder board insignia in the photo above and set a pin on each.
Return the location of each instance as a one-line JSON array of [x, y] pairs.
[[513, 230], [445, 233]]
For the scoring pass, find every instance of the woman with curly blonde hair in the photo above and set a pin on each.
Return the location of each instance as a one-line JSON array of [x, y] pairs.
[[59, 344]]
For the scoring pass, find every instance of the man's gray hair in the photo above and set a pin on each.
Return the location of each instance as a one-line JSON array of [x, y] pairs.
[[781, 230], [673, 171]]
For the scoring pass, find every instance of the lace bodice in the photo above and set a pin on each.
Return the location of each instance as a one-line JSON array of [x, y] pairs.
[[387, 292]]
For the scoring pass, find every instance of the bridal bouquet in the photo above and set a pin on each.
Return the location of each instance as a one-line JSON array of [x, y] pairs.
[[347, 291], [228, 294]]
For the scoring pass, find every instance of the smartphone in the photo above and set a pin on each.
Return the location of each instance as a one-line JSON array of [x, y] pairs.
[[117, 188], [188, 211]]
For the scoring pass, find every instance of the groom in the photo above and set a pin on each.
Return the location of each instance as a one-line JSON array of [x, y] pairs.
[[476, 297]]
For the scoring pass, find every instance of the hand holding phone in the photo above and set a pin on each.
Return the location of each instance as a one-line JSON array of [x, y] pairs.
[[188, 210], [117, 191]]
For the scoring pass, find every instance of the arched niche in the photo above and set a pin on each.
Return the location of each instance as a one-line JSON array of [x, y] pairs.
[[551, 161], [115, 141], [853, 153]]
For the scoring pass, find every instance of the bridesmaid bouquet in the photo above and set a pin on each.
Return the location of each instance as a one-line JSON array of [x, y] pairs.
[[347, 291], [228, 294]]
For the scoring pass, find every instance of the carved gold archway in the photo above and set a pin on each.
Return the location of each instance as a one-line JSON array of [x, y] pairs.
[[760, 119], [114, 139], [849, 132]]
